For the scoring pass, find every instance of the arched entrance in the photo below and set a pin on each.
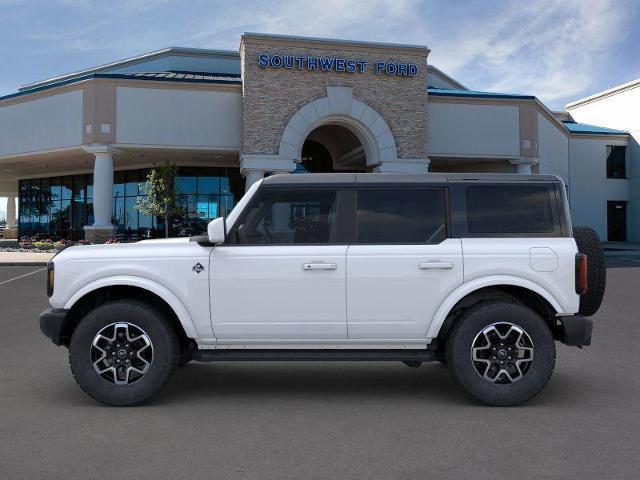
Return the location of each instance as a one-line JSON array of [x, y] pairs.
[[332, 148], [337, 133]]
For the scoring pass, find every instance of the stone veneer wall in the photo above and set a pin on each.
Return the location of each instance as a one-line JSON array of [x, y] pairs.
[[272, 96]]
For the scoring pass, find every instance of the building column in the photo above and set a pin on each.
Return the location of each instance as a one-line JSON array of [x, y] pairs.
[[102, 228], [403, 165], [11, 232], [11, 212], [255, 166], [524, 164], [251, 177]]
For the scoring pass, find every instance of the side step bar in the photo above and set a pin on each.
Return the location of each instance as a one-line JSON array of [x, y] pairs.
[[267, 355]]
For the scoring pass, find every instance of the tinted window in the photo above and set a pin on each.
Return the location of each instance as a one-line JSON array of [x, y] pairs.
[[289, 217], [616, 167], [401, 216], [509, 209]]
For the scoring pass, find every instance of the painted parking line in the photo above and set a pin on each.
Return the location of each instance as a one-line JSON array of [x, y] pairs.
[[22, 276]]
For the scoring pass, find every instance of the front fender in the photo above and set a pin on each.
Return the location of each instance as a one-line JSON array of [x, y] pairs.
[[483, 282], [164, 293]]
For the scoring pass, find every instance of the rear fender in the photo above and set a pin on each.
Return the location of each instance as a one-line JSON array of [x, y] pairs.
[[491, 281]]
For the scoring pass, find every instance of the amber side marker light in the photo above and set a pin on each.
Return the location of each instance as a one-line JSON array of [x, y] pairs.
[[581, 274], [50, 279]]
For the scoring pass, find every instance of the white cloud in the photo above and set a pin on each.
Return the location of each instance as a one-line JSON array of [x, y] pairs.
[[548, 49]]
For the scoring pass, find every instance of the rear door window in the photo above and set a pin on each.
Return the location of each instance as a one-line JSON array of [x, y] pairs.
[[513, 209], [401, 216]]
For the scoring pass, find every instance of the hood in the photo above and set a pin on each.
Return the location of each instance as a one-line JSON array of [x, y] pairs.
[[160, 248]]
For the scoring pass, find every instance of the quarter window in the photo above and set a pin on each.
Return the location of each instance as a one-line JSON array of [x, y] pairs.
[[509, 209], [401, 216], [616, 164], [289, 217]]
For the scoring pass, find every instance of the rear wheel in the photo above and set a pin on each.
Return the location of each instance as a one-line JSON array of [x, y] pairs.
[[123, 352], [502, 353]]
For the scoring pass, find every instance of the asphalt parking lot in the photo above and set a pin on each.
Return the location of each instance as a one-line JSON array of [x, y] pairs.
[[321, 420]]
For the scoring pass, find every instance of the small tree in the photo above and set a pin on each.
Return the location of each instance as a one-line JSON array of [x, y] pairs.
[[161, 194]]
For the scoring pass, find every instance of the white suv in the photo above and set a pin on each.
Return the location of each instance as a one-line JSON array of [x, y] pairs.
[[480, 272]]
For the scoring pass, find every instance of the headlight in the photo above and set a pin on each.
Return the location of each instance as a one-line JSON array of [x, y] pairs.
[[50, 279]]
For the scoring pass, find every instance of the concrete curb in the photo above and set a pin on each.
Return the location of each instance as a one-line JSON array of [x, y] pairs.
[[23, 264], [622, 253]]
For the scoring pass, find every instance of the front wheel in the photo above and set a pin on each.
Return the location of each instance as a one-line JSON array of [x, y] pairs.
[[502, 353], [123, 352]]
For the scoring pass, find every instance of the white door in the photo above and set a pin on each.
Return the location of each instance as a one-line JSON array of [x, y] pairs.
[[281, 275], [402, 266]]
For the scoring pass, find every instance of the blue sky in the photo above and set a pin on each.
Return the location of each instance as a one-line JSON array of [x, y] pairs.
[[557, 50]]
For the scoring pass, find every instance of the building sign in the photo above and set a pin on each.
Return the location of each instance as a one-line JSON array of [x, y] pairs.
[[335, 64]]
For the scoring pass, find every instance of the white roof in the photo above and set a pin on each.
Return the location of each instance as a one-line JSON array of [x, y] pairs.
[[605, 93]]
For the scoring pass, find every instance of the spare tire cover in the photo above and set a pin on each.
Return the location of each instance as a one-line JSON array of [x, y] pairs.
[[589, 243]]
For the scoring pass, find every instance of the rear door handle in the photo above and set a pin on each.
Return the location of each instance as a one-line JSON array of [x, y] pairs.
[[435, 265], [319, 266]]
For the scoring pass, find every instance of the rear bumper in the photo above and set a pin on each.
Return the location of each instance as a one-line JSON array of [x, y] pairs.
[[53, 324], [575, 330]]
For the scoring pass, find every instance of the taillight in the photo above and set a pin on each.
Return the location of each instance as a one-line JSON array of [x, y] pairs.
[[581, 274], [50, 279]]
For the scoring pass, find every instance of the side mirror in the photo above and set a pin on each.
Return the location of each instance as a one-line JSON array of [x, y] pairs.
[[216, 230]]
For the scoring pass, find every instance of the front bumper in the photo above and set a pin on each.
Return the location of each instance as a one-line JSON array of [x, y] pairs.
[[575, 330], [54, 325]]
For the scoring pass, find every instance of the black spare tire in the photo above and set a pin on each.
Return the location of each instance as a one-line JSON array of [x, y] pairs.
[[589, 244]]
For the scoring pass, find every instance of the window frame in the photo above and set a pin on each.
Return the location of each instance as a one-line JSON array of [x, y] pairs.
[[444, 190], [460, 223], [338, 226], [606, 163]]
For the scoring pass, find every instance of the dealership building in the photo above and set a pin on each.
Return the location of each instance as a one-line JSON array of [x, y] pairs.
[[75, 149]]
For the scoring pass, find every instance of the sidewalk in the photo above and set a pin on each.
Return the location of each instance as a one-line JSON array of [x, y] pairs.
[[621, 246], [621, 249], [26, 259]]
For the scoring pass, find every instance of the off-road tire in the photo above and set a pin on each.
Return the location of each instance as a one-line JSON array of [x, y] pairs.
[[459, 357], [166, 352], [589, 243], [186, 355]]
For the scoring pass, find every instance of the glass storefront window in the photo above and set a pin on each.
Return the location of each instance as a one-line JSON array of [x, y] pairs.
[[59, 207]]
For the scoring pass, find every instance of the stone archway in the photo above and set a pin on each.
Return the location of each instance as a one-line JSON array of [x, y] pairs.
[[340, 108]]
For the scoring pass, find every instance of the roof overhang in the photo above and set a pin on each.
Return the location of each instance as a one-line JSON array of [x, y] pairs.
[[606, 93], [145, 57]]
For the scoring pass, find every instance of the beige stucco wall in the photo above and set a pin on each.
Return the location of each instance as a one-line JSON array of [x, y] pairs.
[[50, 122], [272, 96], [553, 148], [458, 129], [589, 188], [620, 110], [178, 117]]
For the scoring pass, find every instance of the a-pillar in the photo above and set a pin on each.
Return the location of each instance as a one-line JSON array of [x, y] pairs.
[[524, 164], [102, 228]]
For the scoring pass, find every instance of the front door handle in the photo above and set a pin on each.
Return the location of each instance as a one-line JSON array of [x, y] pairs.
[[319, 266], [435, 265]]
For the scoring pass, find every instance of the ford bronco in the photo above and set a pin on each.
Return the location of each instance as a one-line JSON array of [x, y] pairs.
[[482, 273]]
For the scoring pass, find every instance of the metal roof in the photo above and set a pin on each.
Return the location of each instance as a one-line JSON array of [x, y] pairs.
[[132, 61], [585, 128], [176, 75], [187, 77], [474, 93]]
